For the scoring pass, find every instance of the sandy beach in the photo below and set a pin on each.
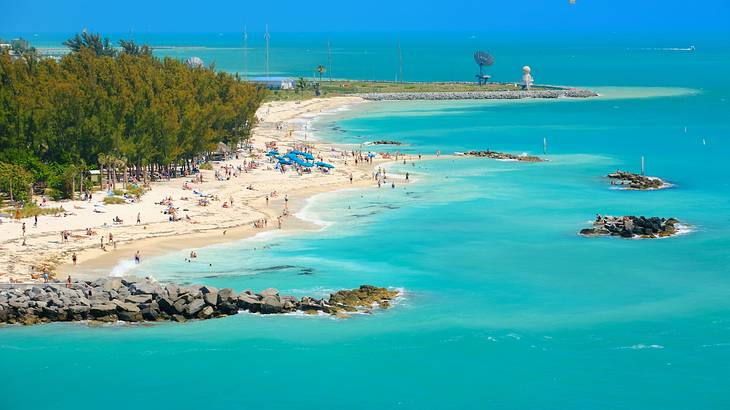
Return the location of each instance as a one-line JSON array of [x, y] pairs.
[[286, 123]]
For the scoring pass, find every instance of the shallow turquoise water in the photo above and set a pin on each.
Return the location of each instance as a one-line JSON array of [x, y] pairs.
[[505, 306]]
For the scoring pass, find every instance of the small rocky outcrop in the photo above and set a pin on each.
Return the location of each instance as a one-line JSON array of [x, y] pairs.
[[132, 299], [503, 156], [630, 180], [632, 226]]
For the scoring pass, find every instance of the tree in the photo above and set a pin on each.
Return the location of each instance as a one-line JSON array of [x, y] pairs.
[[320, 70], [301, 85], [14, 180], [131, 48], [93, 42], [127, 111]]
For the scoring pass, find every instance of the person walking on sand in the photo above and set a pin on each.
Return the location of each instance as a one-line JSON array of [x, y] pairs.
[[35, 221], [23, 228], [350, 178], [73, 258], [137, 258], [139, 220]]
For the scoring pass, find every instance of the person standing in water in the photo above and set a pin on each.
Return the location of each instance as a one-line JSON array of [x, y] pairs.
[[137, 258]]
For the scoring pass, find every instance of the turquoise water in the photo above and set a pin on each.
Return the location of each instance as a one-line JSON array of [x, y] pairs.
[[505, 306]]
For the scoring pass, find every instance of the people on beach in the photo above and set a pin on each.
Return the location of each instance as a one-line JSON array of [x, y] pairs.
[[74, 258], [23, 228], [137, 258]]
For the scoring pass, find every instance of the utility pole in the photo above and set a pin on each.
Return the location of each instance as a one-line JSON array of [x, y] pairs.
[[544, 146], [245, 53], [642, 165], [329, 59], [266, 36], [400, 60]]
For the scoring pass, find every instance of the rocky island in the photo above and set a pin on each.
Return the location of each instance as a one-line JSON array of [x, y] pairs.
[[503, 156], [632, 226], [630, 180], [132, 299]]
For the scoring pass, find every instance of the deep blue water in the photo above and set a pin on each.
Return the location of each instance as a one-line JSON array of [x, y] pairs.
[[505, 306]]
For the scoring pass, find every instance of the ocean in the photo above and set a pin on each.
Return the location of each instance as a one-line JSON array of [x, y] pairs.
[[504, 305]]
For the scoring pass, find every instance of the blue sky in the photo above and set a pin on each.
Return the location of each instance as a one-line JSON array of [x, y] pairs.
[[620, 16]]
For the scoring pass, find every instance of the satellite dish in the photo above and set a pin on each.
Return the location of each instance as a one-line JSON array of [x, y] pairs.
[[482, 58]]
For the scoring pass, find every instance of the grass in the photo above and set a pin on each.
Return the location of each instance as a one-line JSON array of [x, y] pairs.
[[31, 210], [114, 200], [344, 88]]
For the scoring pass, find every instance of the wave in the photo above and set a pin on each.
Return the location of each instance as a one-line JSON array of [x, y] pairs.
[[640, 346], [122, 268]]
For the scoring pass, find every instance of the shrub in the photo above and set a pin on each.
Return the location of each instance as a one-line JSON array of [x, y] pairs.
[[208, 166], [114, 200], [136, 191]]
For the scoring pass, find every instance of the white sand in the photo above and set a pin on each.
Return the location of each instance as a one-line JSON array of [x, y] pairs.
[[156, 234]]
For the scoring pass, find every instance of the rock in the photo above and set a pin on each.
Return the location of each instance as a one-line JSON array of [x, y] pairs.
[[112, 284], [269, 292], [271, 304], [206, 312], [208, 289], [249, 302], [137, 299], [194, 307], [129, 316], [226, 296], [211, 298], [150, 314], [179, 318], [167, 306], [179, 306], [102, 309]]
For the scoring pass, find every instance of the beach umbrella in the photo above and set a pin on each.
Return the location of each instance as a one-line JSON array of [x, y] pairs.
[[324, 165], [306, 164], [272, 153]]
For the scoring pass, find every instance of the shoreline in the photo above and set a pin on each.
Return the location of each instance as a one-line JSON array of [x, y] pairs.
[[157, 235], [284, 122]]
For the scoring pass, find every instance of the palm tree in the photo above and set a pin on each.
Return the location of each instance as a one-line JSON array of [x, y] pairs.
[[320, 70], [301, 84]]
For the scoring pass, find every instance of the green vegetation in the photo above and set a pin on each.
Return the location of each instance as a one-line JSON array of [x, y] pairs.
[[207, 166], [114, 200], [307, 89], [30, 210], [123, 111]]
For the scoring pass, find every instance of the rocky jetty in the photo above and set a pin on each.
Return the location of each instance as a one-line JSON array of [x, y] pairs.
[[503, 156], [479, 95], [132, 299], [632, 226], [629, 180]]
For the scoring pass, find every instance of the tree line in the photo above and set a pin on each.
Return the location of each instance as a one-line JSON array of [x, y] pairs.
[[121, 109]]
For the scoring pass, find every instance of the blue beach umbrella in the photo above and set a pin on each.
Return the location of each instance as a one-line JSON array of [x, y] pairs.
[[272, 153], [324, 165]]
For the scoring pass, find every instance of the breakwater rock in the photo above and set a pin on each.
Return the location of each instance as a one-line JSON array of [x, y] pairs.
[[503, 156], [629, 180], [632, 226], [479, 95], [132, 299]]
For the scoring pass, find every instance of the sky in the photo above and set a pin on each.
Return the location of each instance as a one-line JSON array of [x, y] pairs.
[[163, 16]]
